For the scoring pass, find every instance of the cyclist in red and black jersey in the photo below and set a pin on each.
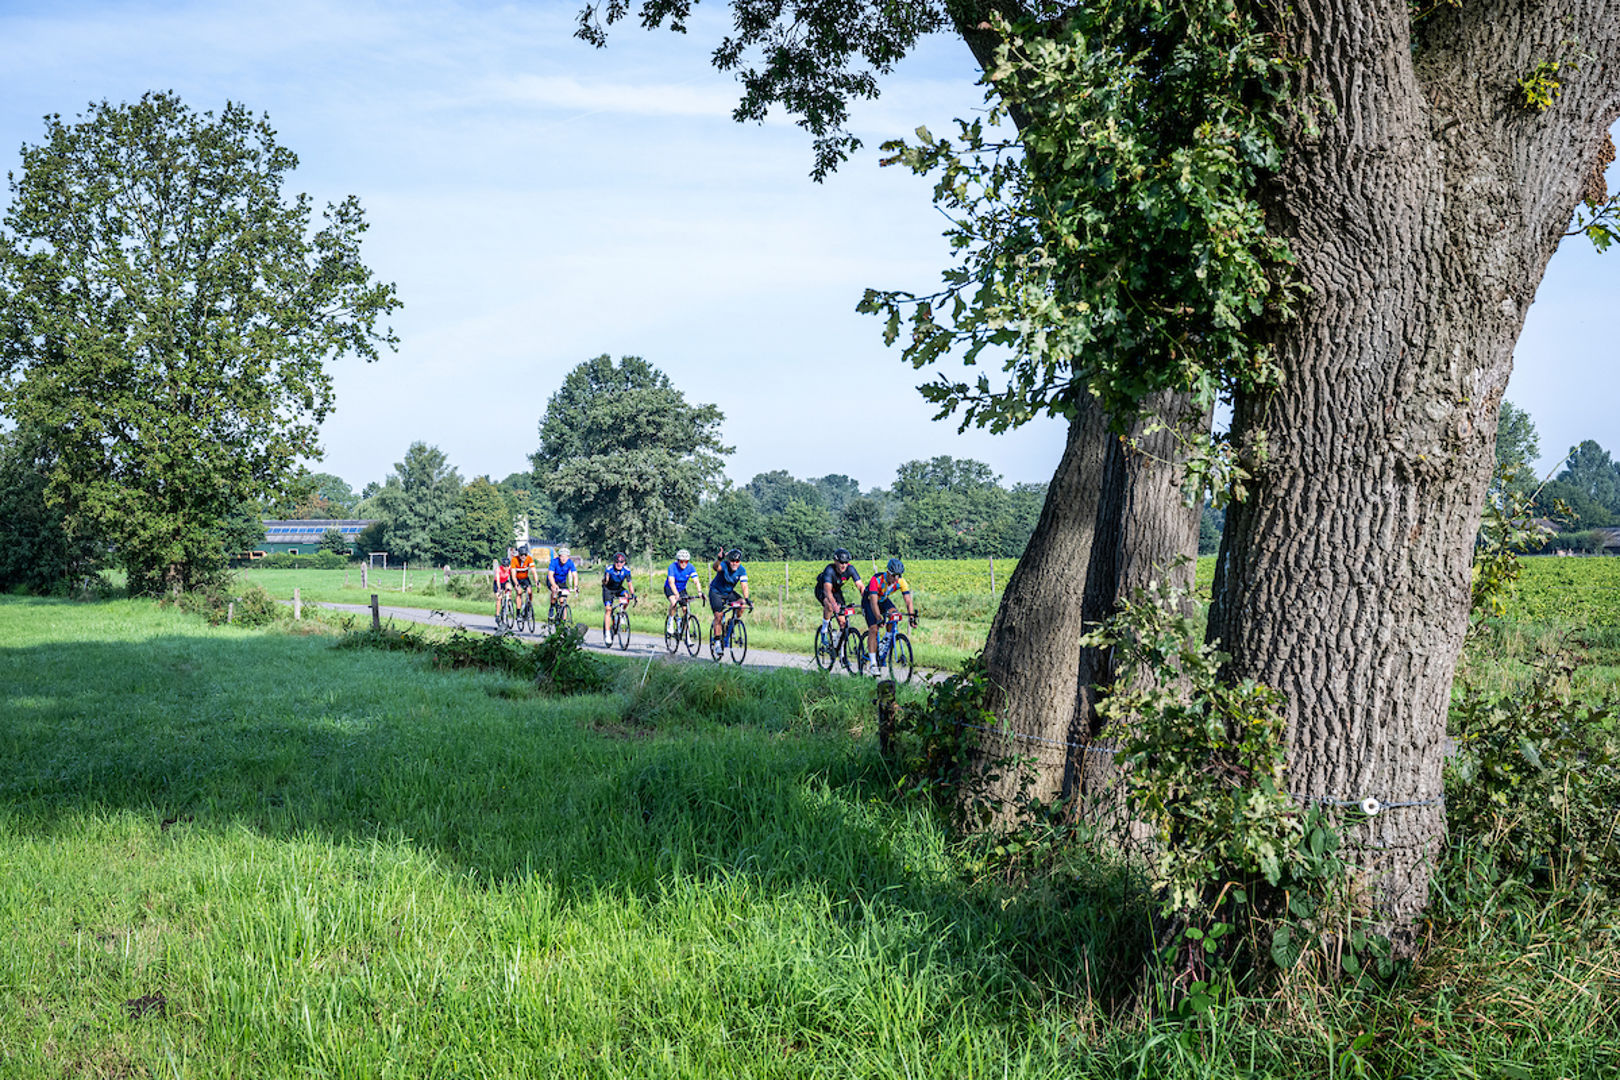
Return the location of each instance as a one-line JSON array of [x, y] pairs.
[[876, 605]]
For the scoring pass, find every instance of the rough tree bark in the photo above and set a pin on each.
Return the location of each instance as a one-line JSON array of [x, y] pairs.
[[1423, 214]]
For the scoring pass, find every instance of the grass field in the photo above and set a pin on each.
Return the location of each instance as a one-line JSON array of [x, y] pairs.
[[230, 853]]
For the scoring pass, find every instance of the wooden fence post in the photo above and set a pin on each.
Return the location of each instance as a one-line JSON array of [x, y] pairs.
[[363, 575], [992, 577], [886, 716], [376, 620], [230, 612], [298, 606]]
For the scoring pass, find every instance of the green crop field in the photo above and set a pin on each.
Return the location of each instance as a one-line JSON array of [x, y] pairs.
[[234, 853]]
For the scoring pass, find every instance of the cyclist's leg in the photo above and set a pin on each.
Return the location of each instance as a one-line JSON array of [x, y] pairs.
[[718, 602], [869, 608]]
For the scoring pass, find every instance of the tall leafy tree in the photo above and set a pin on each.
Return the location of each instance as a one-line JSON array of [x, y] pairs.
[[625, 455], [1589, 485], [836, 490], [1518, 446], [1336, 212], [166, 314], [774, 490], [800, 530], [861, 527], [730, 519], [418, 505], [482, 527]]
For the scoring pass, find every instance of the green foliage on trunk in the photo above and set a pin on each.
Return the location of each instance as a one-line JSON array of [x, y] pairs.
[[166, 313]]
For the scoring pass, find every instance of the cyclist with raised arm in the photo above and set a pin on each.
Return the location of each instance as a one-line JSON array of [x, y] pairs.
[[615, 583], [521, 570], [730, 578], [876, 605], [680, 572], [830, 588]]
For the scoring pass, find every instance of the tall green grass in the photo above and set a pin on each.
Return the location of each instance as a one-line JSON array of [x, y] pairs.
[[233, 853]]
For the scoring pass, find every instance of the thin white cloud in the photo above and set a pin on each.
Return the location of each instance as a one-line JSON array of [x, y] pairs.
[[564, 92]]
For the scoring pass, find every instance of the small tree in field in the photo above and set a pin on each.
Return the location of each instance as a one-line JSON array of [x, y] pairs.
[[165, 318]]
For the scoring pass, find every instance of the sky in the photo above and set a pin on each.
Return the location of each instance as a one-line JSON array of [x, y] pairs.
[[539, 202]]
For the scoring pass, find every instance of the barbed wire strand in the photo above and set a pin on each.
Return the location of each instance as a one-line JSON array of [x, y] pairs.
[[1370, 805]]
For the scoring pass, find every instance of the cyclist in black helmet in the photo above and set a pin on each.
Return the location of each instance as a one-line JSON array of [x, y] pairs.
[[876, 605], [615, 583], [830, 587], [730, 579]]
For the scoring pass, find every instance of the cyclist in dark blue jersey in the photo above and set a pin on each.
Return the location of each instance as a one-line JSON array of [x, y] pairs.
[[615, 583], [730, 579]]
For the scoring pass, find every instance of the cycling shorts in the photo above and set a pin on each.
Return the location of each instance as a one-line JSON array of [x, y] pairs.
[[610, 595], [718, 600], [837, 594], [876, 610]]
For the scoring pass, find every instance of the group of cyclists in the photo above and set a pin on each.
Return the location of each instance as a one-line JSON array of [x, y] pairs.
[[728, 583]]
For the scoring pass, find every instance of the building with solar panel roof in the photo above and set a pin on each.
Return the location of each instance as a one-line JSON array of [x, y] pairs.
[[304, 537]]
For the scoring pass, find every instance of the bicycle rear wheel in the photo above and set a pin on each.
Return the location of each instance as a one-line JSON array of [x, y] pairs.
[[739, 641], [824, 646], [900, 659], [673, 625], [691, 633]]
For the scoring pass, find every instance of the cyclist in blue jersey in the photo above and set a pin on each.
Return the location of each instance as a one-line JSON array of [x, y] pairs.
[[680, 572], [730, 579], [562, 573], [615, 582]]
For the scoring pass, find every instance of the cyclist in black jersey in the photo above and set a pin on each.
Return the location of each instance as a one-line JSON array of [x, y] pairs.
[[830, 587]]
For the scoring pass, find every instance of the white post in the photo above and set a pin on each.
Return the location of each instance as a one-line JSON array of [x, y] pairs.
[[992, 577], [404, 568], [298, 606]]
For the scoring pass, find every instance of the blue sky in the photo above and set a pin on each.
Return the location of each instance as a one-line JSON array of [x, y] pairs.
[[539, 202]]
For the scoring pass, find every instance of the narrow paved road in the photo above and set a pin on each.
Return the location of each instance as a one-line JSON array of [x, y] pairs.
[[643, 645]]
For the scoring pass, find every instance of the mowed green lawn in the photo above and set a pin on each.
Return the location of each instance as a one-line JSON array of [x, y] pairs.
[[229, 853]]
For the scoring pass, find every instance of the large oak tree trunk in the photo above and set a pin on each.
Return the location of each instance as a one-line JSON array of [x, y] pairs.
[[1034, 649], [1422, 214], [1114, 521]]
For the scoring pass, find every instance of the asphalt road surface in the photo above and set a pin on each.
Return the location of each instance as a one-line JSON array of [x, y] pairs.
[[643, 645]]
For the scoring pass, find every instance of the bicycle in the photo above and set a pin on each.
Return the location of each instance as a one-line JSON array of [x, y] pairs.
[[894, 650], [733, 633], [506, 613], [683, 628], [524, 616], [830, 639], [557, 614], [621, 621]]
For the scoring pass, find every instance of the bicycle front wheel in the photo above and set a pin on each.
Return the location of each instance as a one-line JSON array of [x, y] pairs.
[[739, 641], [900, 659], [672, 632], [692, 633], [621, 630], [854, 651]]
